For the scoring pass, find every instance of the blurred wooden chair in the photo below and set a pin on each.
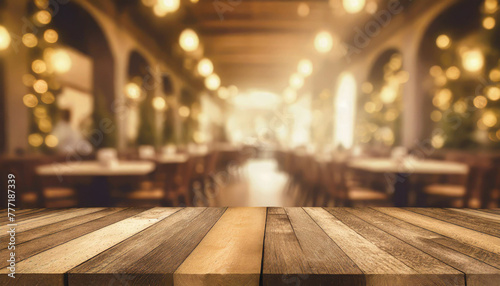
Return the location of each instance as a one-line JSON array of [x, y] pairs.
[[346, 193]]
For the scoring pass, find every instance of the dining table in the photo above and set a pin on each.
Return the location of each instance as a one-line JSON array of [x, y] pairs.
[[92, 179], [398, 172]]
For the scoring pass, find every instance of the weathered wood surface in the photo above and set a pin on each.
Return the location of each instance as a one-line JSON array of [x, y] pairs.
[[254, 246]]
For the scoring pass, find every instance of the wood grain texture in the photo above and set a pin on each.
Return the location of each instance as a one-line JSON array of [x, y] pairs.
[[230, 254], [478, 213], [151, 256], [307, 255], [476, 263], [431, 270], [54, 262]]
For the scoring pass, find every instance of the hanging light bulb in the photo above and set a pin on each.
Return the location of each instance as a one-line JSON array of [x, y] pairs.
[[212, 82], [353, 6], [205, 67], [323, 42], [296, 81], [189, 40], [305, 67], [60, 61], [4, 38]]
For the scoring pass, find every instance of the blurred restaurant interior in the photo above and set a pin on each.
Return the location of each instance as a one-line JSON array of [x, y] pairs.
[[250, 102]]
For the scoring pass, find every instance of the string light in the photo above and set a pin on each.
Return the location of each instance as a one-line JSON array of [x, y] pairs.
[[60, 61], [305, 67], [489, 119], [480, 101], [323, 42], [212, 82], [163, 7], [473, 60], [353, 6], [189, 41], [40, 86], [43, 17], [296, 81], [29, 40], [495, 75], [303, 9], [30, 100], [159, 103], [289, 95], [205, 67], [489, 23], [48, 98], [133, 90], [223, 93], [35, 139], [493, 93], [4, 38], [38, 66], [184, 111], [50, 36], [51, 141], [443, 42]]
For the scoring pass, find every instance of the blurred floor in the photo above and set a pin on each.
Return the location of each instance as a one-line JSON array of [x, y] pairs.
[[260, 183]]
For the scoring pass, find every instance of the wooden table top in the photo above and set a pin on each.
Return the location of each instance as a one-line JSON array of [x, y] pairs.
[[94, 168], [427, 166], [248, 246]]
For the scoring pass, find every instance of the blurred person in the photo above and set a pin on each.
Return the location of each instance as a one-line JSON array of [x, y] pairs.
[[70, 140]]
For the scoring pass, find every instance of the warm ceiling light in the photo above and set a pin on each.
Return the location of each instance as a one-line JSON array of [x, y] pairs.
[[303, 9], [473, 60], [443, 42], [489, 23], [323, 42], [188, 40], [296, 81], [353, 6], [159, 103], [132, 90], [163, 7], [4, 38], [60, 61], [212, 82], [305, 67], [205, 67]]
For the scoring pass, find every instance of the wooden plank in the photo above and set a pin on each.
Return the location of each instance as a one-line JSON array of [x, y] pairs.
[[379, 267], [457, 218], [151, 256], [461, 234], [230, 254], [29, 214], [310, 257], [48, 267], [433, 270], [476, 263], [477, 213], [65, 224], [53, 217], [58, 237]]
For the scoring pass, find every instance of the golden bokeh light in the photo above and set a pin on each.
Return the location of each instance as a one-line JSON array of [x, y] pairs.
[[48, 98], [443, 42], [42, 4], [296, 81], [60, 61], [40, 112], [442, 98], [490, 6], [460, 107], [437, 141], [371, 7], [489, 23], [28, 79], [289, 95], [45, 125], [323, 42], [480, 101], [305, 67], [159, 103], [35, 139], [133, 90], [184, 111], [366, 87], [163, 7], [50, 36], [38, 66], [493, 93], [370, 107], [30, 100], [223, 92], [29, 40], [489, 119], [353, 6], [303, 9], [43, 17], [205, 67], [212, 82], [51, 141], [4, 38], [435, 71], [436, 115], [473, 60], [40, 86], [233, 90], [189, 41], [148, 3], [453, 73], [495, 75]]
